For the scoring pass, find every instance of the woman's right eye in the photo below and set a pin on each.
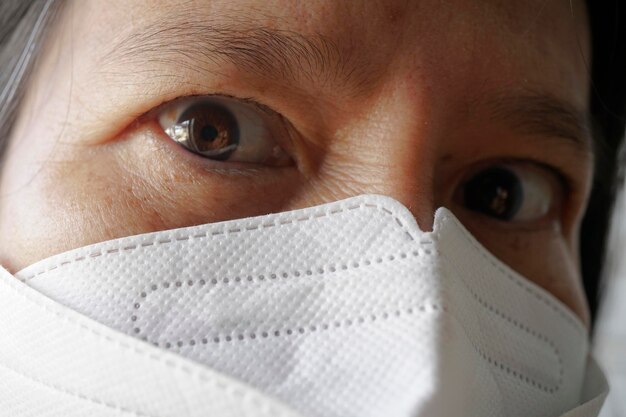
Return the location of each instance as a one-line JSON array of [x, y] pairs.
[[224, 129]]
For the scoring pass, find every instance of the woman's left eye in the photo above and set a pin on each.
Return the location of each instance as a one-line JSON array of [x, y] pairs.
[[224, 129], [516, 192]]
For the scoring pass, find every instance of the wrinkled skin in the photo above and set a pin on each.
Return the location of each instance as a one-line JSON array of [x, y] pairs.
[[408, 100]]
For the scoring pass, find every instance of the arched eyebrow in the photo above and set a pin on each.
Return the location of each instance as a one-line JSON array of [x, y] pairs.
[[266, 53], [541, 114]]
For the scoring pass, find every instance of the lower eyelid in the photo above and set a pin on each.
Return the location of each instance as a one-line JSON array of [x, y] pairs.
[[166, 145], [503, 227]]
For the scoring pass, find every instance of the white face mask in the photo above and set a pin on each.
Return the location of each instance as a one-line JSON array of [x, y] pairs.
[[345, 309]]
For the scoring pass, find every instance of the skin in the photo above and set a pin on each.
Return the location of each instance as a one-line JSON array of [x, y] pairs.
[[427, 94]]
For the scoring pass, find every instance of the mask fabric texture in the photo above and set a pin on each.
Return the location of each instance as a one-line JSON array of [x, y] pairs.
[[345, 309]]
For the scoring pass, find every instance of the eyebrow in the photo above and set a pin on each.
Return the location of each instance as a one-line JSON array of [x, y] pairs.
[[543, 115], [264, 52], [294, 58]]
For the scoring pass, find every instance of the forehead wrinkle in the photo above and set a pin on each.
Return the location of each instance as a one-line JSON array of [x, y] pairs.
[[279, 55]]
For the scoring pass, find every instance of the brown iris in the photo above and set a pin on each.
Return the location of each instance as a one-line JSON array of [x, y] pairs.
[[213, 131], [496, 192]]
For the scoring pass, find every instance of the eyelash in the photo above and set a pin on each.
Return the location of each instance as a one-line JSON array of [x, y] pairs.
[[223, 128], [565, 181]]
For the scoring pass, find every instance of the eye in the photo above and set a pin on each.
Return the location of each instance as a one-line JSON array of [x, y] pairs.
[[515, 192], [225, 129]]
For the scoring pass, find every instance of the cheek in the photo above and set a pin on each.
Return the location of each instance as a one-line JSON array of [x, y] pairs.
[[542, 256], [141, 182], [83, 195]]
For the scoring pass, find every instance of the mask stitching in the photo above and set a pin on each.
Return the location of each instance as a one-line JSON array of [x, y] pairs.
[[76, 395], [295, 330], [528, 330], [227, 388], [348, 322], [235, 230], [273, 276], [315, 215], [478, 249], [516, 374], [539, 336], [532, 332], [520, 282], [343, 323]]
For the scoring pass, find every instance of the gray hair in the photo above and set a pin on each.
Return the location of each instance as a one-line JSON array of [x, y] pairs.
[[22, 26]]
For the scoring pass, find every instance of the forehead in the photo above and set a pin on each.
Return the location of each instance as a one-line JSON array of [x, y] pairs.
[[330, 58], [544, 42]]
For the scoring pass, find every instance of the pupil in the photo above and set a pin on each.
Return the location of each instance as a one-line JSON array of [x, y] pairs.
[[496, 192], [213, 131], [208, 133]]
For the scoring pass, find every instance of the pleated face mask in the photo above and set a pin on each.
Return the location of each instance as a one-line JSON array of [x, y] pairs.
[[345, 309]]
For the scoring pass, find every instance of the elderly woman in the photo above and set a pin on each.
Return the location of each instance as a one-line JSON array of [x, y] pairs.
[[243, 208]]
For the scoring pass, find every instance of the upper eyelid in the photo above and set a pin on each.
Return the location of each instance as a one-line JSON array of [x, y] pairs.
[[283, 127], [567, 181], [561, 176], [251, 101]]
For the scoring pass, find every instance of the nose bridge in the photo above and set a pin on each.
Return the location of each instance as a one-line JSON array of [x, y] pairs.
[[398, 146]]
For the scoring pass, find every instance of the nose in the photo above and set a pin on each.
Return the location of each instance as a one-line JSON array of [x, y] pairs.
[[388, 146]]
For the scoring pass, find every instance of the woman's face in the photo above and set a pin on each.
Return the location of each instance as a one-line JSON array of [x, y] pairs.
[[478, 106]]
